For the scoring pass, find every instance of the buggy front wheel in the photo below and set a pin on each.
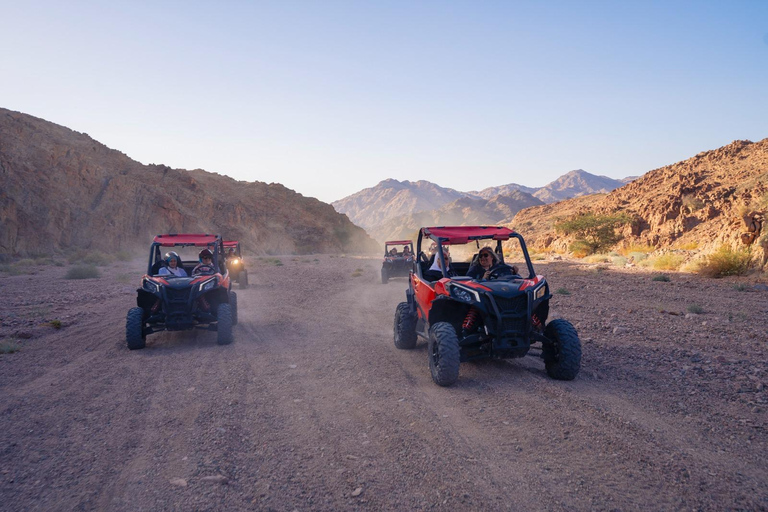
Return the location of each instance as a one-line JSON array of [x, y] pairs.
[[134, 329], [562, 356], [444, 355], [224, 325]]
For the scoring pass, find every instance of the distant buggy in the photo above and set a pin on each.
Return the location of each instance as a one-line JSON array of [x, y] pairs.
[[398, 259], [235, 263], [463, 318], [168, 302]]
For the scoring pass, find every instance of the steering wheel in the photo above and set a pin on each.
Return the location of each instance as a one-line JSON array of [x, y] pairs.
[[500, 270]]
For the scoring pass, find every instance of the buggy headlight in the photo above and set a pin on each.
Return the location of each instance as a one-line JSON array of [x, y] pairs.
[[540, 292], [208, 285], [464, 294], [235, 261], [151, 286]]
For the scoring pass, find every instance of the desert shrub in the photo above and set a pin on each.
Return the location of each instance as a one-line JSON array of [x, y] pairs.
[[9, 346], [123, 255], [95, 257], [357, 273], [689, 246], [44, 261], [593, 232], [82, 272], [669, 261], [56, 324], [562, 291], [741, 287], [26, 262], [11, 270], [691, 203], [661, 277], [581, 249], [638, 256], [637, 249], [597, 258], [695, 309], [619, 261], [726, 262]]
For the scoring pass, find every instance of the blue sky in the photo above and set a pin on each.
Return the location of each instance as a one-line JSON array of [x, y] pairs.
[[330, 97]]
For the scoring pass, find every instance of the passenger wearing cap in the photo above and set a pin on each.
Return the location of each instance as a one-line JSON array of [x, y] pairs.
[[206, 265], [173, 266]]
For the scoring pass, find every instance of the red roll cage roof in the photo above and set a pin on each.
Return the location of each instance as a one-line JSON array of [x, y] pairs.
[[398, 242], [230, 243], [198, 240], [463, 234]]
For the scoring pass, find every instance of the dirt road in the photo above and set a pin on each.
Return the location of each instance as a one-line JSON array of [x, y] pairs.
[[313, 408]]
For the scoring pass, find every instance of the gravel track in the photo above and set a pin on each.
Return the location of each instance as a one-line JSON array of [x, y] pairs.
[[313, 408]]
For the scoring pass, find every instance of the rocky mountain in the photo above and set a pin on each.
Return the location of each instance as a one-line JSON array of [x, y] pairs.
[[462, 211], [63, 190], [393, 206], [717, 197], [391, 198], [575, 184], [510, 188]]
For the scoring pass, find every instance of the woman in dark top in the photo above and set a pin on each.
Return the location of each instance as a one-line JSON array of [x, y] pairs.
[[487, 262]]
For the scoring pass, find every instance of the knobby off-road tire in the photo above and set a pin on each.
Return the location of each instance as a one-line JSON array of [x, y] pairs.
[[444, 357], [224, 326], [243, 279], [405, 327], [384, 276], [233, 304], [562, 359], [134, 329]]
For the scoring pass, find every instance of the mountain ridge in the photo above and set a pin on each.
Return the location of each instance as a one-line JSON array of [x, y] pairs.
[[63, 190]]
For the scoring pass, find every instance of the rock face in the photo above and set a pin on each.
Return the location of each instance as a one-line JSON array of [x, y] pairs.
[[717, 197], [62, 189], [576, 184], [394, 208], [463, 211], [391, 198]]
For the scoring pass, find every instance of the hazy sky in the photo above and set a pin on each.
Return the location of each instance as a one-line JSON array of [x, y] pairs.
[[330, 97]]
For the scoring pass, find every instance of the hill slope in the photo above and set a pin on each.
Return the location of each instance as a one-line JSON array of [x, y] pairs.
[[62, 189], [705, 201], [462, 211]]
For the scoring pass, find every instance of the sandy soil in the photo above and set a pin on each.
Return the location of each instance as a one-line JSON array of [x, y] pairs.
[[313, 408]]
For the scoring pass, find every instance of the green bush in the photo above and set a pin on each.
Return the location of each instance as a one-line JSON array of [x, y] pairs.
[[593, 232], [661, 277], [562, 291], [726, 262], [695, 309], [82, 272]]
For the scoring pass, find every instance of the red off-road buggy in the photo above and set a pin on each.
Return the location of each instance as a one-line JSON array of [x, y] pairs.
[[398, 259], [167, 302], [235, 263], [463, 318]]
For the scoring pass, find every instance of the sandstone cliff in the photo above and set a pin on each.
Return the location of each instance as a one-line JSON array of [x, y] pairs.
[[61, 189]]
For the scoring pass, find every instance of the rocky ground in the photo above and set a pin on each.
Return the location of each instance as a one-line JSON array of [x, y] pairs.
[[313, 408]]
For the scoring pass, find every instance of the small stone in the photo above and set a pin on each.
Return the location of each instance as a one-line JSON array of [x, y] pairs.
[[761, 287], [620, 330], [179, 482], [292, 366], [357, 492]]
